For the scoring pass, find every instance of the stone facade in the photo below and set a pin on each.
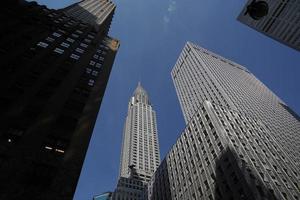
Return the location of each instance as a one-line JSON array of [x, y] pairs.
[[241, 141], [201, 75]]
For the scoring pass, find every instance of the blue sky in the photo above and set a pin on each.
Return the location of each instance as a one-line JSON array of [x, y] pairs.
[[152, 34]]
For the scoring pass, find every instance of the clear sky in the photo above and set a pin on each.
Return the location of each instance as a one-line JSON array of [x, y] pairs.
[[152, 34]]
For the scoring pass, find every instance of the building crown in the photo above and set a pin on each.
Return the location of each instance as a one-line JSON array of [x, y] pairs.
[[140, 94]]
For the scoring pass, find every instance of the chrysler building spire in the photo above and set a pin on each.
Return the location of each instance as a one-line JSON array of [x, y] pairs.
[[140, 94]]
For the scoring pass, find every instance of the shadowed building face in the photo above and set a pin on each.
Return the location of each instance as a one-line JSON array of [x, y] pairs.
[[54, 71]]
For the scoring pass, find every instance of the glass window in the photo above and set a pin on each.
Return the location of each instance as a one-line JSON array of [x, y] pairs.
[[65, 44], [83, 25], [92, 63], [91, 36], [42, 44], [98, 65], [88, 70], [74, 56], [70, 40], [56, 34], [79, 50], [91, 82], [84, 45], [49, 39], [62, 31], [95, 73], [87, 40], [58, 50], [75, 35]]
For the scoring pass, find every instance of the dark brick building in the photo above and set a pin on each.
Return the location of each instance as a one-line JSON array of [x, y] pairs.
[[53, 75]]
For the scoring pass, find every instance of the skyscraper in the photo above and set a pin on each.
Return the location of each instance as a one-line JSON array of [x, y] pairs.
[[277, 19], [93, 12], [228, 149], [140, 150], [54, 71], [140, 141], [201, 75]]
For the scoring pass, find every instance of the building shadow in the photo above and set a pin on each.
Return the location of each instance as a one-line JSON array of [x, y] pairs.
[[236, 180], [42, 148], [159, 185], [134, 174]]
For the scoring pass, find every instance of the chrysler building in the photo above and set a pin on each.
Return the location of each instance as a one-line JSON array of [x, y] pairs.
[[140, 141], [140, 151]]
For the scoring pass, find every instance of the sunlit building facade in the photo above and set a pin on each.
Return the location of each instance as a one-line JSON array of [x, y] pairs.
[[201, 75], [93, 12], [229, 148]]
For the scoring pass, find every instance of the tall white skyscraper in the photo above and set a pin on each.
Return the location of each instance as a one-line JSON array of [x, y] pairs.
[[140, 151], [201, 75], [140, 141]]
